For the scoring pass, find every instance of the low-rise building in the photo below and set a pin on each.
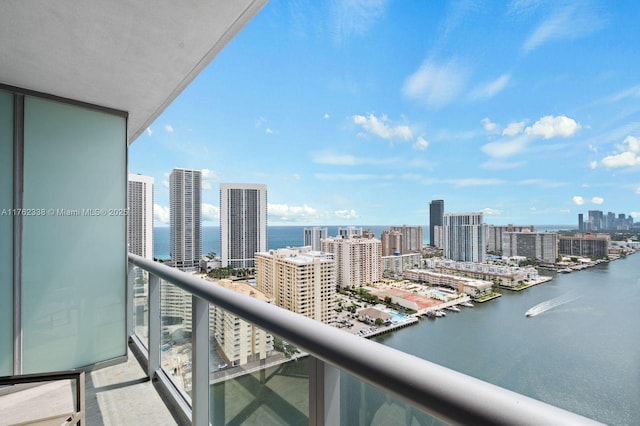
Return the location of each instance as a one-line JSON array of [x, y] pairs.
[[370, 315], [239, 341], [399, 263]]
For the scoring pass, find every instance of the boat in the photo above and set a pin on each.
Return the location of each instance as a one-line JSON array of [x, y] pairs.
[[467, 304], [440, 313], [529, 313], [453, 308]]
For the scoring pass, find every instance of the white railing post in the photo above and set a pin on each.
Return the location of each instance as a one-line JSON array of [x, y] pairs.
[[131, 326], [200, 362], [155, 326], [324, 393]]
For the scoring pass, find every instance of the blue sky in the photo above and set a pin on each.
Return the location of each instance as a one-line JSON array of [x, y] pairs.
[[361, 112]]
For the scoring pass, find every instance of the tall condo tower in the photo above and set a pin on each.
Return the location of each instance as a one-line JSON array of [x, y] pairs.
[[436, 215], [185, 218], [464, 237], [140, 215], [243, 223], [313, 237]]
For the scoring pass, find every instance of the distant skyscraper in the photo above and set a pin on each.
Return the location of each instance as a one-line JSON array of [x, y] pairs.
[[411, 238], [464, 237], [313, 236], [596, 220], [580, 222], [186, 221], [436, 214], [140, 215], [243, 223]]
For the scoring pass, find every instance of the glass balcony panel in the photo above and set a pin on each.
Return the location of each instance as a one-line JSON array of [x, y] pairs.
[[73, 274], [141, 305], [363, 404], [257, 378], [175, 341], [6, 230]]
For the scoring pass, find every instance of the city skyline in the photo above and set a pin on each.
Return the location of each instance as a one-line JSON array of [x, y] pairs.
[[525, 111]]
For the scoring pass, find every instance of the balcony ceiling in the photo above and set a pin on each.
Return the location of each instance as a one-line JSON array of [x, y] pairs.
[[131, 55]]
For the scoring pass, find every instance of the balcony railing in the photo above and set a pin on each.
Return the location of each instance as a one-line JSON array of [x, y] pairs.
[[440, 392]]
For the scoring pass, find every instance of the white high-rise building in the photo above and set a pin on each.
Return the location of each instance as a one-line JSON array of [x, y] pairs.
[[185, 218], [314, 236], [464, 237], [350, 232], [300, 280], [243, 223], [359, 260], [140, 215]]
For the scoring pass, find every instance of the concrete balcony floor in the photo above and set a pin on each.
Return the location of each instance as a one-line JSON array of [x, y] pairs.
[[116, 395]]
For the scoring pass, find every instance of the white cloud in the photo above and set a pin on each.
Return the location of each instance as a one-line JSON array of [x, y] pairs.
[[260, 121], [296, 176], [501, 165], [577, 200], [161, 214], [346, 214], [381, 127], [568, 23], [149, 131], [638, 190], [421, 144], [210, 212], [348, 160], [550, 127], [489, 211], [514, 128], [630, 143], [436, 84], [625, 159], [542, 183], [593, 165], [489, 90], [326, 116], [473, 182], [597, 200], [268, 131], [350, 177], [168, 128], [210, 174], [287, 213], [593, 148], [628, 156], [635, 215], [165, 183], [489, 126], [355, 17], [506, 147]]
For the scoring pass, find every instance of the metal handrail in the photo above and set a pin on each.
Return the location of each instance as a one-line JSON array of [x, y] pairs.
[[78, 417], [446, 394]]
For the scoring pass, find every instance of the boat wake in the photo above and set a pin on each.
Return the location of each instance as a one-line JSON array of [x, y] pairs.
[[550, 304]]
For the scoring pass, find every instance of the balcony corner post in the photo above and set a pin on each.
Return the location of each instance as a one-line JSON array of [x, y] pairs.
[[200, 362], [324, 393]]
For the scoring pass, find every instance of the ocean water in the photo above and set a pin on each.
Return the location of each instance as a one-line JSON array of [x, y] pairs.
[[281, 237], [277, 237]]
